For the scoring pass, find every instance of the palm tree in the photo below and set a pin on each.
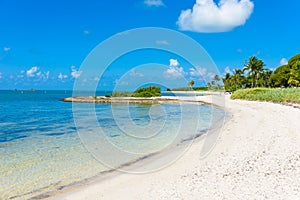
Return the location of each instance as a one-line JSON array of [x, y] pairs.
[[237, 74], [217, 78], [209, 85], [254, 67], [264, 78], [191, 83], [226, 81], [216, 81]]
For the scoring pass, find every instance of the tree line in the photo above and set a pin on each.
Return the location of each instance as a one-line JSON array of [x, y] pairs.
[[254, 74]]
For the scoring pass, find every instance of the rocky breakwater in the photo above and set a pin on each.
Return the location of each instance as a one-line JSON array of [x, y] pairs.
[[102, 99]]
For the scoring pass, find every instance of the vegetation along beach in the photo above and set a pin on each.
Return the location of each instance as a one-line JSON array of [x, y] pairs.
[[149, 99]]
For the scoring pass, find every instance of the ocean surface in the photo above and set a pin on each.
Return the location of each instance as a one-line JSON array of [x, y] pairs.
[[42, 149]]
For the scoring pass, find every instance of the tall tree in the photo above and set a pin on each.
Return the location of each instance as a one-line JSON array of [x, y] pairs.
[[264, 78], [217, 78], [281, 76], [294, 79], [238, 75], [216, 81], [226, 81], [191, 83], [254, 66]]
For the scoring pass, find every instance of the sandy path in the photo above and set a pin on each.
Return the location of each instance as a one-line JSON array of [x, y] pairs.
[[257, 156]]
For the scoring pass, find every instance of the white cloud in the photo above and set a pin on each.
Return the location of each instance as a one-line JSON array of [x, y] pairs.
[[257, 53], [174, 70], [1, 75], [207, 16], [133, 73], [31, 72], [227, 70], [21, 75], [211, 75], [87, 32], [120, 83], [156, 3], [283, 61], [62, 76], [75, 73], [162, 42], [43, 76], [174, 63], [35, 72], [47, 74], [6, 49], [198, 71]]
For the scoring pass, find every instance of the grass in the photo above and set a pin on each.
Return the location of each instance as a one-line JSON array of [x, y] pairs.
[[276, 95], [121, 94]]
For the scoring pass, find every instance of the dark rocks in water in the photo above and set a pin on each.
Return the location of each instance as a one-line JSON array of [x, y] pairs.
[[112, 135]]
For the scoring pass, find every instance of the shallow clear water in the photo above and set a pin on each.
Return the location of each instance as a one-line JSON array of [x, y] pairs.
[[41, 150]]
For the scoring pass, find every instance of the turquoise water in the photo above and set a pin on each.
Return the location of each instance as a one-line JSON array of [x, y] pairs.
[[41, 150]]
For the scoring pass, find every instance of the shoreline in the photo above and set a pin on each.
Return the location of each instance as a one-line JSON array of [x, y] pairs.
[[62, 188], [184, 145], [140, 161], [256, 156], [146, 160], [69, 190]]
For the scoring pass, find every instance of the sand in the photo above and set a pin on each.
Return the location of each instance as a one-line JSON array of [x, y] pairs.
[[256, 156]]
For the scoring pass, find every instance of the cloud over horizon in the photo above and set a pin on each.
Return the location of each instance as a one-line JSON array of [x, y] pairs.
[[175, 70], [206, 16], [75, 73], [35, 72], [62, 76], [198, 72], [32, 71]]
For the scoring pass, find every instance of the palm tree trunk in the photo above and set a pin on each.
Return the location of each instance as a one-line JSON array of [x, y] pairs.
[[256, 79]]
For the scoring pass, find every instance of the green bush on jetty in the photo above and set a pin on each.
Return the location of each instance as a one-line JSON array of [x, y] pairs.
[[151, 91], [277, 95]]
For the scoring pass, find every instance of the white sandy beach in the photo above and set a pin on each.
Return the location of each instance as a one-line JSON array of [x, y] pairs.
[[257, 156]]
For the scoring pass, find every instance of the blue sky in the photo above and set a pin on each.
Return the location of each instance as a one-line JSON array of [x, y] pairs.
[[43, 43]]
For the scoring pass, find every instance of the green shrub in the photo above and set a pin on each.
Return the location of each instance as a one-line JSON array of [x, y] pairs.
[[151, 91], [289, 95]]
